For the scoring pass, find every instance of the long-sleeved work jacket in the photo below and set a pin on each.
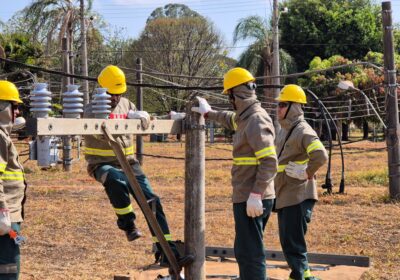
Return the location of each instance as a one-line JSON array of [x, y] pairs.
[[254, 157], [98, 151], [302, 146], [12, 178]]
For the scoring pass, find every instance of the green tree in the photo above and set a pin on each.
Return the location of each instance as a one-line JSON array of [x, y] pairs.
[[176, 11], [17, 46], [180, 45], [330, 27], [48, 21]]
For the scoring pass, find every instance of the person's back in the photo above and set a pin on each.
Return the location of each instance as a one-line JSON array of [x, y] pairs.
[[253, 170], [12, 184]]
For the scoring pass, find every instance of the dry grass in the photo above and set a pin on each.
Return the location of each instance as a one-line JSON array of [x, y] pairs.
[[72, 233]]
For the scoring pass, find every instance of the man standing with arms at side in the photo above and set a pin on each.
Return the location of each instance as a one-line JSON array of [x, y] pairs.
[[253, 171], [12, 184], [103, 164], [300, 155]]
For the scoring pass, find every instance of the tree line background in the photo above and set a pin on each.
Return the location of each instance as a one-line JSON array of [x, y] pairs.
[[314, 34]]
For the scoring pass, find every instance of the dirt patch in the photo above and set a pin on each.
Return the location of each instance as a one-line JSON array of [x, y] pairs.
[[72, 233]]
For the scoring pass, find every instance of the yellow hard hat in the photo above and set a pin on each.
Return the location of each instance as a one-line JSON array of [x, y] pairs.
[[9, 92], [292, 93], [235, 77], [113, 79]]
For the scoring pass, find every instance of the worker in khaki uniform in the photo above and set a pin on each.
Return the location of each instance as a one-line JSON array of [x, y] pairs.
[[253, 171], [103, 164], [300, 155], [12, 184]]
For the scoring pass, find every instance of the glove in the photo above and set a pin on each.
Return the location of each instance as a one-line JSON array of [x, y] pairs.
[[142, 115], [19, 123], [296, 170], [176, 116], [5, 222], [203, 108], [254, 205]]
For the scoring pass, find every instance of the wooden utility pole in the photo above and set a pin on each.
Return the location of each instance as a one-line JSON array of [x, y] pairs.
[[275, 58], [393, 130], [67, 143], [195, 194], [84, 65], [139, 106]]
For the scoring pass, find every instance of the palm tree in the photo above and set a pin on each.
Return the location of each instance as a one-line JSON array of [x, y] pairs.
[[258, 56], [51, 19]]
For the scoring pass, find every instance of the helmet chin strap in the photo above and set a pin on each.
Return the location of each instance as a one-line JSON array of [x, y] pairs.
[[287, 111]]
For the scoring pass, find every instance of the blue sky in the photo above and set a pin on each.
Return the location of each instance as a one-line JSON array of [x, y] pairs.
[[132, 14]]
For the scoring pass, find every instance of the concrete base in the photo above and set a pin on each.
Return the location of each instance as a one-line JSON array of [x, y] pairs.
[[276, 271]]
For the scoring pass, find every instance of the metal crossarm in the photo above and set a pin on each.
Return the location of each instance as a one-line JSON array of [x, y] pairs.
[[63, 126]]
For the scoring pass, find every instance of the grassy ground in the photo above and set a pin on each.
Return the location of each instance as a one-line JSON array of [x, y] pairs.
[[72, 233]]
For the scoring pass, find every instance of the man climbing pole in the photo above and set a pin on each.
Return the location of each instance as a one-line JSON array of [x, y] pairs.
[[103, 164]]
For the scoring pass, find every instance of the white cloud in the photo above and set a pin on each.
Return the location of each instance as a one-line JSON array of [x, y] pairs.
[[151, 3]]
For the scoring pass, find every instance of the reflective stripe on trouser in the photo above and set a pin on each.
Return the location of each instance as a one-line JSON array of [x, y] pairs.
[[293, 222], [249, 246], [117, 189], [307, 274], [281, 167], [9, 256], [167, 237]]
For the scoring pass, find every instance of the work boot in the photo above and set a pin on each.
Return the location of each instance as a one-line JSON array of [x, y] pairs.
[[133, 233], [182, 262], [185, 260]]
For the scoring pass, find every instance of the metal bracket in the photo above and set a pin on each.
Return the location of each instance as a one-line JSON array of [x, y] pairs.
[[195, 127], [328, 259]]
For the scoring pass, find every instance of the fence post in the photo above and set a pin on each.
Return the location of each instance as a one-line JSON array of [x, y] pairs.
[[393, 129], [67, 143], [139, 106]]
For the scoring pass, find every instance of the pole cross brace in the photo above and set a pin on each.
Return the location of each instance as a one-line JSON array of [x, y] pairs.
[[141, 199]]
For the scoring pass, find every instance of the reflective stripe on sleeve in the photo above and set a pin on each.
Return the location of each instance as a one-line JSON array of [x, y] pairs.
[[245, 161], [124, 211], [3, 167], [268, 151], [107, 153], [233, 121], [315, 145]]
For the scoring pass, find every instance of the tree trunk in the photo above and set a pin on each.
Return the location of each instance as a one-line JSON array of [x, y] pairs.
[[365, 129], [345, 131], [267, 60]]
